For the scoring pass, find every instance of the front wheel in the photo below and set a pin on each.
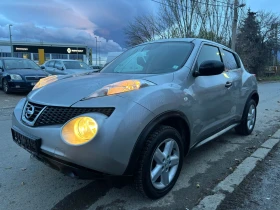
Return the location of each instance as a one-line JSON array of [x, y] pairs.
[[248, 120], [5, 86], [160, 162]]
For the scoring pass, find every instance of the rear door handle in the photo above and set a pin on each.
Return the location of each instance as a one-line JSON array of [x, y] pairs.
[[228, 84]]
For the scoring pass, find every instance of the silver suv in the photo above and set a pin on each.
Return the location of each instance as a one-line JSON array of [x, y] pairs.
[[141, 114]]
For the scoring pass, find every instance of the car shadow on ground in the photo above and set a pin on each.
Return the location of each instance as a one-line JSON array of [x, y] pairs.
[[89, 194]]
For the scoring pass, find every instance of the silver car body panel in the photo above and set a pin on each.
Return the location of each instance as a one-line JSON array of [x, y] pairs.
[[209, 107]]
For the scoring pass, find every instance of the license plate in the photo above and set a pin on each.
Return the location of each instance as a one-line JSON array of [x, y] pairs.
[[33, 83], [31, 144]]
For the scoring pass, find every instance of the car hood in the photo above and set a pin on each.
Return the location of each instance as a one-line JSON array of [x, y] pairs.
[[28, 72], [70, 89]]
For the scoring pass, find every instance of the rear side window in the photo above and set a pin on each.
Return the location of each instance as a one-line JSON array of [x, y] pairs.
[[229, 60], [57, 64], [50, 63], [208, 53]]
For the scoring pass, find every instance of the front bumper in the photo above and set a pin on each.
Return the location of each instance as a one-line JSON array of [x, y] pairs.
[[21, 86], [68, 168], [108, 153]]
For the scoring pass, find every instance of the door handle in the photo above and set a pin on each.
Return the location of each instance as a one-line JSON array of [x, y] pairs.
[[228, 84]]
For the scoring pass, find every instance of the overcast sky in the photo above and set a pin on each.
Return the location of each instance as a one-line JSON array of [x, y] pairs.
[[79, 21], [71, 21]]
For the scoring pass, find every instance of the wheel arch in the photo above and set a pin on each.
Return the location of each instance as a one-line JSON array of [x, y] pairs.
[[253, 95], [2, 80], [175, 119]]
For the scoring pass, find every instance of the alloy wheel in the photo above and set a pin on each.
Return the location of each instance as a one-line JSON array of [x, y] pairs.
[[251, 117], [164, 163], [5, 86]]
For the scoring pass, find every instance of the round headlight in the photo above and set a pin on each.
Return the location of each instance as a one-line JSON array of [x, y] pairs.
[[79, 130]]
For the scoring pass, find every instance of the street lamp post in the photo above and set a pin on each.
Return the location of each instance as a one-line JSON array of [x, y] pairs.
[[99, 53], [96, 50], [234, 24], [12, 51]]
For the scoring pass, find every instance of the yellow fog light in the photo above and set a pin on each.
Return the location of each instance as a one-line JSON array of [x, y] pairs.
[[79, 130]]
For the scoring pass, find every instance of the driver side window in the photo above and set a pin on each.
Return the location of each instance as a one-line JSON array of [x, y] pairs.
[[50, 64], [58, 65], [208, 53]]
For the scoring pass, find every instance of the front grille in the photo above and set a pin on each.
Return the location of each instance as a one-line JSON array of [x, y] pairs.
[[59, 115], [37, 110], [33, 78]]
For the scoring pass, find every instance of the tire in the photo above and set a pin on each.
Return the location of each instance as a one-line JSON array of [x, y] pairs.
[[5, 86], [244, 128], [163, 138]]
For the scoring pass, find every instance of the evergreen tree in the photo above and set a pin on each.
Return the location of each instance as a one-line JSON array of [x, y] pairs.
[[249, 44]]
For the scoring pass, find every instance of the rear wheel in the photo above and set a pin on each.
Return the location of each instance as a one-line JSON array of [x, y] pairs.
[[160, 162], [248, 120], [5, 86]]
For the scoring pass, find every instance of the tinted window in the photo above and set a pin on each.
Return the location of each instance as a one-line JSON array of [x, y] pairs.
[[208, 53], [151, 58], [20, 64], [50, 63], [229, 60], [75, 65]]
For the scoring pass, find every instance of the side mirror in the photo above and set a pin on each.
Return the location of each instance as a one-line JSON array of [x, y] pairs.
[[43, 67], [210, 68], [140, 61], [60, 68]]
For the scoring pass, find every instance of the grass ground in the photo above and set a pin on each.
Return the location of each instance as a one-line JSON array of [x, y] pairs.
[[270, 78]]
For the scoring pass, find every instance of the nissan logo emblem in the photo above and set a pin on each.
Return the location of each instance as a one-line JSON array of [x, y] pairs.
[[29, 111]]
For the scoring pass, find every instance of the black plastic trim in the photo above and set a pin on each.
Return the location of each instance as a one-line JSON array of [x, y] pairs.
[[68, 168], [214, 132], [248, 99], [144, 134]]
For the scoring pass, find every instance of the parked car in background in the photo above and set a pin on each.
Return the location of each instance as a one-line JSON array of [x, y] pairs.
[[96, 68], [64, 67], [141, 114], [19, 74]]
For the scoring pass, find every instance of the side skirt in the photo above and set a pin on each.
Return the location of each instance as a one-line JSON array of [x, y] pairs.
[[215, 136]]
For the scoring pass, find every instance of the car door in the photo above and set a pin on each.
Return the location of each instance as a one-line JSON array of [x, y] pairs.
[[234, 73], [210, 99]]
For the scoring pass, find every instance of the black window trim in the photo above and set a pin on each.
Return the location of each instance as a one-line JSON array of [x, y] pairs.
[[235, 57]]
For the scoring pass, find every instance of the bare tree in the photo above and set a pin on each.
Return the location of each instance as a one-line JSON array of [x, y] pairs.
[[184, 18]]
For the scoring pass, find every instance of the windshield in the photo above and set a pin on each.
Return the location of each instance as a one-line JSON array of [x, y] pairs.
[[20, 64], [75, 65], [154, 58]]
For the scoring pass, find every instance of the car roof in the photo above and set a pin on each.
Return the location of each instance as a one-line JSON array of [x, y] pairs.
[[62, 60], [9, 58], [191, 40]]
